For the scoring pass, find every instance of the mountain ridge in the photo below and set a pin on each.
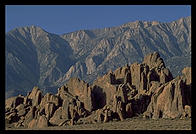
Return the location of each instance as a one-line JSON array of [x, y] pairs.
[[88, 53]]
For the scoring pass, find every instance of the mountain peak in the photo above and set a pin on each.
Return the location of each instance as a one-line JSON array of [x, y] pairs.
[[31, 29], [138, 23]]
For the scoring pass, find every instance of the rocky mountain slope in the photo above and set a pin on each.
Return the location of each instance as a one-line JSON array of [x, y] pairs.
[[36, 57], [145, 89]]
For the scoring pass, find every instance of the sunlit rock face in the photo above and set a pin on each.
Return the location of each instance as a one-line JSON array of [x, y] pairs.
[[37, 57]]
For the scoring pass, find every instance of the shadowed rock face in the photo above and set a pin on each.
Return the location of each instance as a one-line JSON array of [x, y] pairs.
[[146, 88], [37, 57]]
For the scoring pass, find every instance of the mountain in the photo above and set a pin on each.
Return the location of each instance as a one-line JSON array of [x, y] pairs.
[[36, 57], [145, 89]]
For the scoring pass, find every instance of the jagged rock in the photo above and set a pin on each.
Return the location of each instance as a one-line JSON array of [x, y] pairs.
[[169, 100], [49, 109], [12, 117], [32, 114], [153, 75], [127, 78], [187, 73], [154, 60], [35, 96], [88, 104], [153, 85], [187, 110], [21, 110], [41, 122], [32, 123], [122, 93], [131, 92], [81, 89], [65, 106], [102, 94], [165, 76], [139, 76], [110, 77], [13, 102], [64, 94], [120, 74], [50, 98], [140, 103], [58, 118], [147, 88], [98, 50]]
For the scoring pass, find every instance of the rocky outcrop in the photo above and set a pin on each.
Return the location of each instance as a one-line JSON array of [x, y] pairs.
[[187, 73], [35, 96], [13, 102], [171, 100], [82, 90], [146, 88], [50, 60], [40, 122]]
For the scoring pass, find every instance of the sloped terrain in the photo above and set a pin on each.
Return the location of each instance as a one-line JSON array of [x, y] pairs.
[[146, 90], [36, 57]]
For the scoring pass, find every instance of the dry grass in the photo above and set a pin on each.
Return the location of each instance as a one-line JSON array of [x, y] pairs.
[[128, 124]]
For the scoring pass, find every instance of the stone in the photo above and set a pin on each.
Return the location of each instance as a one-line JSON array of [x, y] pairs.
[[110, 77], [165, 76], [120, 74], [168, 100], [42, 122], [147, 89], [187, 110], [50, 98], [58, 118], [187, 74], [65, 112], [122, 93], [20, 107], [13, 102], [12, 117], [32, 123], [30, 115], [49, 109], [35, 96], [129, 111], [81, 89], [154, 60]]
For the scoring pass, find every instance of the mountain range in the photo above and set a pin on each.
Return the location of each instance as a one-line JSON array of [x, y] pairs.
[[37, 57]]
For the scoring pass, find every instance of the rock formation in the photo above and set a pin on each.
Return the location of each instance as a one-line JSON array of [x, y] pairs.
[[146, 88], [37, 57]]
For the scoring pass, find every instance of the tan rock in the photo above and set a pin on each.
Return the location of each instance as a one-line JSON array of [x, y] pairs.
[[35, 96], [165, 76], [13, 102], [57, 118], [81, 89], [49, 109], [50, 98], [168, 100], [32, 123], [187, 110], [42, 122], [188, 75], [154, 60]]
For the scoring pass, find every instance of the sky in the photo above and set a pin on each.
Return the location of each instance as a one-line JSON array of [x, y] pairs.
[[60, 19]]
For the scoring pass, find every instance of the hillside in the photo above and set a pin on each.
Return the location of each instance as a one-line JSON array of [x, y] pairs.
[[37, 57]]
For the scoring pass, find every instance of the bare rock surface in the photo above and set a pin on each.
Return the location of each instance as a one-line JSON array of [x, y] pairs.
[[145, 89], [37, 57]]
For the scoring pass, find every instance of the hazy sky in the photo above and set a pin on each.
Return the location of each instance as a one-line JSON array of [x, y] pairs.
[[69, 18]]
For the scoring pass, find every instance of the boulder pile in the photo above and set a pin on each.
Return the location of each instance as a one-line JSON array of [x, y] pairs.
[[146, 88]]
